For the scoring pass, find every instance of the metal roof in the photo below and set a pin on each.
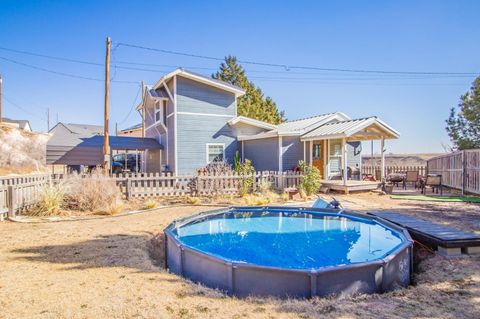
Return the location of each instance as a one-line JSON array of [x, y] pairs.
[[121, 143], [304, 125], [201, 78], [353, 127], [84, 129]]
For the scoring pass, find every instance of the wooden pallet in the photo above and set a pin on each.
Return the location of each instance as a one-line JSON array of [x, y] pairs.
[[446, 240]]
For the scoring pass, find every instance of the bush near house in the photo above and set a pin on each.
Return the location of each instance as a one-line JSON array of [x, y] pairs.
[[311, 179]]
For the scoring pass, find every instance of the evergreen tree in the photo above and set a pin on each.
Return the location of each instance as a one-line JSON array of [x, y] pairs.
[[464, 127], [253, 104]]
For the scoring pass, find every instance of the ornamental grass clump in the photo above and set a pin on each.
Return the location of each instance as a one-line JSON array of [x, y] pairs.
[[94, 193], [51, 199]]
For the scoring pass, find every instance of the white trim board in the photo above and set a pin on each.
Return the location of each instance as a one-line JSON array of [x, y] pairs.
[[205, 114]]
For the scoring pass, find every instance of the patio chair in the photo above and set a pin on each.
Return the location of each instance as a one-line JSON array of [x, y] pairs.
[[411, 177], [433, 181]]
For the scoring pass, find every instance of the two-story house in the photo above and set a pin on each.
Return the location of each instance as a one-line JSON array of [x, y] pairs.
[[194, 118]]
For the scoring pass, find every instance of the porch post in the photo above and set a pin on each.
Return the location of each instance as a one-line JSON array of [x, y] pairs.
[[304, 151], [310, 157], [382, 152], [345, 165]]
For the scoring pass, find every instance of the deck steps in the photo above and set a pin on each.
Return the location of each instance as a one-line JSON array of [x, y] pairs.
[[446, 240]]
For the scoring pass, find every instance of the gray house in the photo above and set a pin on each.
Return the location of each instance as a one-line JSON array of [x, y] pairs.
[[194, 118]]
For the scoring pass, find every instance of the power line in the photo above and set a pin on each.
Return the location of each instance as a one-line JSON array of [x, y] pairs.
[[76, 76], [51, 57], [22, 108], [133, 106], [288, 67]]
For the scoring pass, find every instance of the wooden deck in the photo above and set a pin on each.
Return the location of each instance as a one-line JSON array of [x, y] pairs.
[[350, 186], [447, 240]]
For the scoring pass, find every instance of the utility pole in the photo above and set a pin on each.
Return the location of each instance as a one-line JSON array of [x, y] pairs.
[[106, 146], [0, 98], [57, 118], [48, 119], [116, 129], [143, 109]]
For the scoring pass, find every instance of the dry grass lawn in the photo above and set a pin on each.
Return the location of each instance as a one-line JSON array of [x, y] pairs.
[[100, 268]]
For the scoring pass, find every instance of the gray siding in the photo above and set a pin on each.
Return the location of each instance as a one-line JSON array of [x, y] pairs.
[[194, 132], [292, 152], [263, 153], [196, 97]]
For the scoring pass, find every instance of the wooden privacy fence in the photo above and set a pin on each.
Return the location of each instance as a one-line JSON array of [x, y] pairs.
[[459, 170], [20, 193], [375, 170]]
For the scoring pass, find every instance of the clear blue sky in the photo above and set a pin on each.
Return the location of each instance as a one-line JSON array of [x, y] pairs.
[[439, 36]]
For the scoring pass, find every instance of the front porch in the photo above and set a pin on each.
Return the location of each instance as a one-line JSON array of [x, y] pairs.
[[335, 149], [349, 186]]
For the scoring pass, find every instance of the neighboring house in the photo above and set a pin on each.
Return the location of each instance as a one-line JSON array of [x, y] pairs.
[[21, 124], [81, 144], [134, 131], [194, 118]]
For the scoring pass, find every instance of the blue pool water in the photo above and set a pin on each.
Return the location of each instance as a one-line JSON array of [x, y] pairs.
[[289, 240]]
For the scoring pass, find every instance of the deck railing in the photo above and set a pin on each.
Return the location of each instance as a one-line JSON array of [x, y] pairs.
[[376, 170]]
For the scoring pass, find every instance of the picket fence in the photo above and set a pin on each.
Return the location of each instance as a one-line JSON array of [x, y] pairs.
[[21, 192], [459, 170]]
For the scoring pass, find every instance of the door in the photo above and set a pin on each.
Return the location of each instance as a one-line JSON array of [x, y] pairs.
[[317, 156]]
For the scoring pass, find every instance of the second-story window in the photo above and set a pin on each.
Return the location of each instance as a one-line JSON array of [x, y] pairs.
[[157, 111], [164, 111]]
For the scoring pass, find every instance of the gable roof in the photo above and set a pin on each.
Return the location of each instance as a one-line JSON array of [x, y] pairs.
[[82, 129], [252, 122], [238, 91], [298, 127], [363, 128], [21, 123]]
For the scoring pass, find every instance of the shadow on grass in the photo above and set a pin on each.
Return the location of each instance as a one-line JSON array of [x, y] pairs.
[[117, 250]]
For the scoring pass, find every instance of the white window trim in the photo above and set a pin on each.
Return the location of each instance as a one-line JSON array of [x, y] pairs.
[[213, 144]]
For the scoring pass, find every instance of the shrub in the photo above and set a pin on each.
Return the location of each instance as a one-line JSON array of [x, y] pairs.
[[311, 179], [150, 204], [51, 200], [246, 171], [264, 186], [192, 200], [94, 192]]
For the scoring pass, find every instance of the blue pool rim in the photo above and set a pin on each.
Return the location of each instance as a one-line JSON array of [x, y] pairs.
[[375, 276]]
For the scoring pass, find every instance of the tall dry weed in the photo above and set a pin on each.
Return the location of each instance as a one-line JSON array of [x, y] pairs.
[[95, 193]]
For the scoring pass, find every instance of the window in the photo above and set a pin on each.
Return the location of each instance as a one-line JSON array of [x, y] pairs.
[[164, 112], [215, 152], [157, 111], [317, 151], [335, 156]]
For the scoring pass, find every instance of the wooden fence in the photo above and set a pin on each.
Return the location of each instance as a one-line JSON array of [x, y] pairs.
[[167, 184], [21, 192], [459, 170], [375, 170]]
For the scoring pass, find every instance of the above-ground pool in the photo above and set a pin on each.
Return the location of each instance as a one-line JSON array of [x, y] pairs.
[[295, 252]]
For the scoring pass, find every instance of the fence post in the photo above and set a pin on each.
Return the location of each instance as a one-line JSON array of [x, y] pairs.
[[464, 172], [128, 188], [12, 201]]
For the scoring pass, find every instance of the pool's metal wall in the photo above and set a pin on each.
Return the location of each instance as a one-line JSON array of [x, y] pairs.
[[242, 280]]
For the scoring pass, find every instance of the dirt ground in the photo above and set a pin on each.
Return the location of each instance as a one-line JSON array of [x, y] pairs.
[[100, 268]]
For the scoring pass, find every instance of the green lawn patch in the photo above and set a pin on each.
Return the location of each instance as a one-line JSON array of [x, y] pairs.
[[467, 199]]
